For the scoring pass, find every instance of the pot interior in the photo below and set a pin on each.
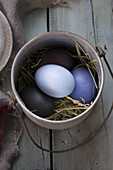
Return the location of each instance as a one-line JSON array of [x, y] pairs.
[[54, 39], [57, 39]]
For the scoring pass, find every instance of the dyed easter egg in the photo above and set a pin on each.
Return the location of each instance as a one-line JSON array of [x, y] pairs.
[[58, 56], [37, 101], [85, 89], [54, 80]]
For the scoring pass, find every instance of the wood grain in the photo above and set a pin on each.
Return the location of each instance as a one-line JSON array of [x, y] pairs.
[[93, 20], [35, 23], [30, 157], [80, 18], [103, 23]]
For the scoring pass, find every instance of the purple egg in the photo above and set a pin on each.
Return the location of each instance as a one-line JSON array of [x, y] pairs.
[[85, 89], [58, 56]]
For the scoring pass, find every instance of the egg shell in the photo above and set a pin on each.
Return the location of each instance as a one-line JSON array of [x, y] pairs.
[[34, 99], [58, 56], [84, 85], [54, 80]]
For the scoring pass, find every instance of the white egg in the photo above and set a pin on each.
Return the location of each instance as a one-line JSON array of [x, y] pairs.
[[55, 80]]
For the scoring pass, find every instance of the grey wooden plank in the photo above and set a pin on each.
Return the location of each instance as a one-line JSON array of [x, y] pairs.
[[96, 153], [103, 22], [35, 23], [30, 157]]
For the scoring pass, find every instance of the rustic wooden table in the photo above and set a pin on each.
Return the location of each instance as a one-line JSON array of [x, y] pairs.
[[93, 20]]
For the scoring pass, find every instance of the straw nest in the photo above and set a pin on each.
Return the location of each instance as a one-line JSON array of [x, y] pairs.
[[65, 108]]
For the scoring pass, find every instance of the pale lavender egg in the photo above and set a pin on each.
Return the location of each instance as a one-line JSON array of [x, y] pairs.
[[55, 80], [85, 89]]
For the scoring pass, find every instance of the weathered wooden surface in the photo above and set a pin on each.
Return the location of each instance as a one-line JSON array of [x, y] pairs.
[[86, 18], [93, 20], [30, 157]]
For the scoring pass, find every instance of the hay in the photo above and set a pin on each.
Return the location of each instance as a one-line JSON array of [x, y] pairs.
[[65, 108]]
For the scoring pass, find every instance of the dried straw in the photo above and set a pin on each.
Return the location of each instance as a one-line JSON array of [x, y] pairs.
[[65, 108]]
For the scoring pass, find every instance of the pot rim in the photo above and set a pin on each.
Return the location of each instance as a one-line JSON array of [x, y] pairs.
[[38, 117]]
